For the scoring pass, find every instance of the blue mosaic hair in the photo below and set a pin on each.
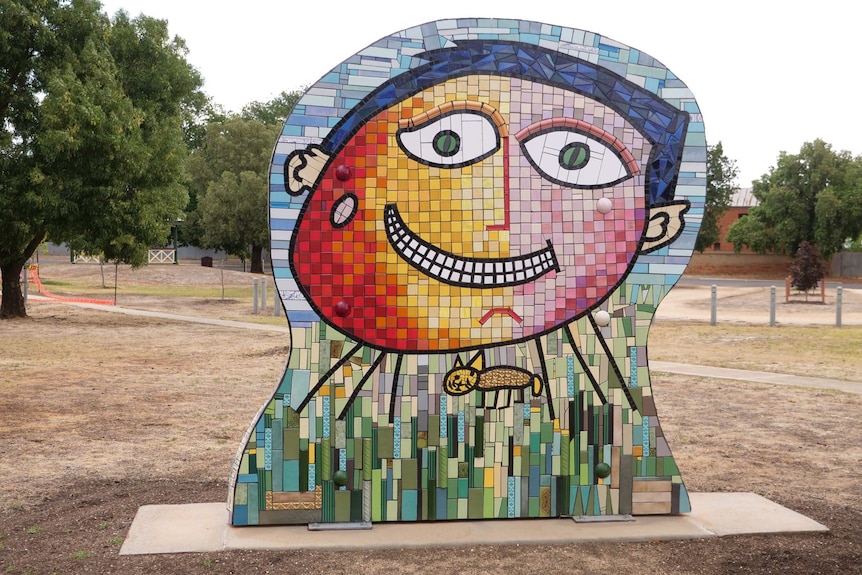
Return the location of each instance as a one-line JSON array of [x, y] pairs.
[[660, 123]]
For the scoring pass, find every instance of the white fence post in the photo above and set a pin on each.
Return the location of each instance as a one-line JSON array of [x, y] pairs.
[[772, 306], [254, 295], [713, 311], [839, 296], [26, 279]]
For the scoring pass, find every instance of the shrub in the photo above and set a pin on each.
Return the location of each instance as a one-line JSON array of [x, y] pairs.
[[807, 268]]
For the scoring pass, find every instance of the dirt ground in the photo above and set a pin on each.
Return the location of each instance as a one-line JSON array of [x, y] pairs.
[[101, 413], [751, 305]]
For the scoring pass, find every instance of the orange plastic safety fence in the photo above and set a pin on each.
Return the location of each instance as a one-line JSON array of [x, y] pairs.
[[34, 279]]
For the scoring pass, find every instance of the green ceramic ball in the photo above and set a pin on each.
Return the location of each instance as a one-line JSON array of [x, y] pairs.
[[340, 478], [602, 470]]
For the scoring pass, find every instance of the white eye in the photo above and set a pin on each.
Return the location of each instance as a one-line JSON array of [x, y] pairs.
[[451, 141], [575, 160]]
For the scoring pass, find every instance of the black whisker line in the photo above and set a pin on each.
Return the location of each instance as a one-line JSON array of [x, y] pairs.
[[362, 381], [545, 379], [613, 362], [395, 375], [596, 387], [326, 376]]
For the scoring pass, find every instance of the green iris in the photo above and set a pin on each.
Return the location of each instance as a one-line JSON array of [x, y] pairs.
[[574, 156], [447, 143]]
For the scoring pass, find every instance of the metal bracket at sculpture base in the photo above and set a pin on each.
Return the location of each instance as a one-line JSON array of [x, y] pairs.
[[349, 526], [602, 518]]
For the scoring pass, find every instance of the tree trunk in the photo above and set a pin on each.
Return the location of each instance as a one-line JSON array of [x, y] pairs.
[[256, 259], [12, 302]]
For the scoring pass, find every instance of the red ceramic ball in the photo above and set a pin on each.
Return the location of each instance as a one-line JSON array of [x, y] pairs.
[[342, 173], [342, 308]]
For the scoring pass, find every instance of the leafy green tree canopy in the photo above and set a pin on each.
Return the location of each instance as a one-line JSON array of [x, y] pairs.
[[233, 215], [721, 175], [275, 111], [91, 133], [229, 179], [230, 175], [813, 196]]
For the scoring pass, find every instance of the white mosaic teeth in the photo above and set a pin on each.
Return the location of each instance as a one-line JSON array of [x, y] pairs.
[[466, 272]]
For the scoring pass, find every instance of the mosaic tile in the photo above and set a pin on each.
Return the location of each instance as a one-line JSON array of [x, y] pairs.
[[473, 223]]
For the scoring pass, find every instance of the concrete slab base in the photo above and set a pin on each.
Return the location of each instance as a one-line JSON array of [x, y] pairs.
[[203, 527]]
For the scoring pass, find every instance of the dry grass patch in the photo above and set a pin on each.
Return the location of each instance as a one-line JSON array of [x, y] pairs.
[[815, 351], [87, 392]]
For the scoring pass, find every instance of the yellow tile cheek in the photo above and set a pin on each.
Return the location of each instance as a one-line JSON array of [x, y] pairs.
[[450, 209], [457, 220]]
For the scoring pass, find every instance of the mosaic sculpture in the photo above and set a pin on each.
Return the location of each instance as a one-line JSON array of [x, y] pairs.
[[473, 221]]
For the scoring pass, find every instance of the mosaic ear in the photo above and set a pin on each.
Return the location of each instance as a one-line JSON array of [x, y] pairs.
[[665, 225], [478, 361], [303, 169]]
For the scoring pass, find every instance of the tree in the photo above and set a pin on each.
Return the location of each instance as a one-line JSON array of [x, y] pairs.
[[231, 212], [190, 233], [275, 111], [234, 216], [91, 148], [229, 174], [720, 183], [807, 269], [813, 196]]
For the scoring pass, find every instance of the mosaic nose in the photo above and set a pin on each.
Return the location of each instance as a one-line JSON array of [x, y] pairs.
[[502, 195]]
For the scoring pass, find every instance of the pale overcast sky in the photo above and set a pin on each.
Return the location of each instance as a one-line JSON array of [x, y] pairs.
[[768, 75]]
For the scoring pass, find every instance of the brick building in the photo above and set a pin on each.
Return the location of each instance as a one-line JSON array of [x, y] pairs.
[[741, 202]]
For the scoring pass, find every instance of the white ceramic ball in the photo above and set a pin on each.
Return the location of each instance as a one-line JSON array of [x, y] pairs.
[[602, 317], [604, 205]]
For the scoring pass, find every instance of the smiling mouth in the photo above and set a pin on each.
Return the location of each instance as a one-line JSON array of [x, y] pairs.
[[459, 271]]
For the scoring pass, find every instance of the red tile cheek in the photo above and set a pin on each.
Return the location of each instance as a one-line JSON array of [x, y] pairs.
[[334, 240]]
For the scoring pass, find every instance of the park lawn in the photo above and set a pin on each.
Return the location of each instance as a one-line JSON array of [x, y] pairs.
[[814, 351]]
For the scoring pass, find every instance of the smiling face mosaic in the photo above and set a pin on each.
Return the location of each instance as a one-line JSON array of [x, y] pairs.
[[498, 238], [473, 222]]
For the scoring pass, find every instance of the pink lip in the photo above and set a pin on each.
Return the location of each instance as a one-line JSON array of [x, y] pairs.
[[503, 311]]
